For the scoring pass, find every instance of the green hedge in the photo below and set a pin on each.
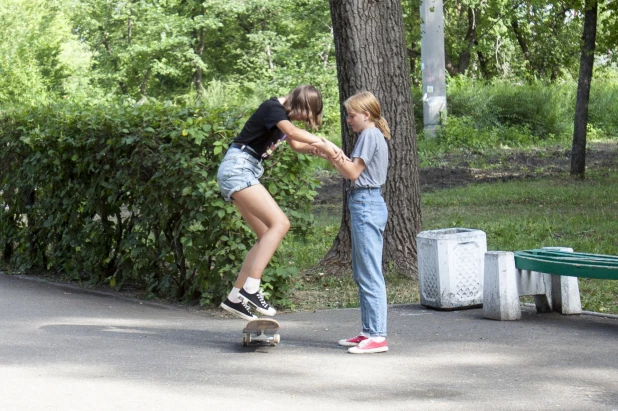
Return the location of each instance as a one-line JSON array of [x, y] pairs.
[[123, 194]]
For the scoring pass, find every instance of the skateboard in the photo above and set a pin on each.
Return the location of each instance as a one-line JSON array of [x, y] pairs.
[[262, 331]]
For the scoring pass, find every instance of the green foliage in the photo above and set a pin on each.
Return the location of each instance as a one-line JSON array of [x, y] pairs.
[[546, 109], [500, 114], [602, 109], [460, 132], [40, 57], [89, 50], [116, 194], [277, 284], [143, 47]]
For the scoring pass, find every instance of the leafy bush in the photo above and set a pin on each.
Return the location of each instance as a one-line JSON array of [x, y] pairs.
[[121, 194], [603, 110], [545, 109], [504, 114], [461, 132]]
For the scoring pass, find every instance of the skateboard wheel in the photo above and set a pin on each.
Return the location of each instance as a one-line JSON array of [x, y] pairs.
[[276, 338], [246, 339]]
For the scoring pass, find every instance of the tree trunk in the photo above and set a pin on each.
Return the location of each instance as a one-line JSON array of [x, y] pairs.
[[578, 150], [464, 57], [114, 60], [413, 54], [32, 224], [522, 41], [483, 63], [271, 66], [371, 55], [144, 84], [200, 41], [8, 242], [448, 64]]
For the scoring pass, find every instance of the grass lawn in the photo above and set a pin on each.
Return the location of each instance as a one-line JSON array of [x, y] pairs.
[[516, 215]]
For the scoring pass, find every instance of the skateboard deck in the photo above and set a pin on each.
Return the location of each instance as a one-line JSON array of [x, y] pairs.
[[261, 331]]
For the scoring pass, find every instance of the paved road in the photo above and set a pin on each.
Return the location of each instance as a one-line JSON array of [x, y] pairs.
[[61, 349]]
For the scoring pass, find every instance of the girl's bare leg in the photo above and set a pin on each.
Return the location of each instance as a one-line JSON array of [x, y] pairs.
[[270, 224], [259, 228]]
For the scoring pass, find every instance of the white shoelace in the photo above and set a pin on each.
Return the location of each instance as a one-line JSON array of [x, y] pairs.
[[262, 301]]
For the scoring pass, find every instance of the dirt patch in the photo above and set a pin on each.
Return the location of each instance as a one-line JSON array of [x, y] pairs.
[[460, 169]]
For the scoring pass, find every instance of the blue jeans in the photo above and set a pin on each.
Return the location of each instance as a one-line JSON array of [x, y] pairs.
[[368, 215]]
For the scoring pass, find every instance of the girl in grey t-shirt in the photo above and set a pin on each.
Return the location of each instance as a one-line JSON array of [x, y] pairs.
[[368, 214]]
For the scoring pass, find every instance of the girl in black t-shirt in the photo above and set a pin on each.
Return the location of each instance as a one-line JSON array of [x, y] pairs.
[[238, 179]]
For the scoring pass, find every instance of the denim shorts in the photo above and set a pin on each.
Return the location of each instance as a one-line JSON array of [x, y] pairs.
[[237, 171]]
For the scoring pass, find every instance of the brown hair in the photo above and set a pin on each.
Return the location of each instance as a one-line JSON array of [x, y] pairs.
[[364, 101], [305, 103]]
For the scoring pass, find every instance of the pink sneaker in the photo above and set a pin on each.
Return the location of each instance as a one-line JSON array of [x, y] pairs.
[[369, 346], [352, 342]]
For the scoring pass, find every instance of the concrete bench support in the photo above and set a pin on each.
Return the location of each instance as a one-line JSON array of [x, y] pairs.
[[500, 296], [504, 284]]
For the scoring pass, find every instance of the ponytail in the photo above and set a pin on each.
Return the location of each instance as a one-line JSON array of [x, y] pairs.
[[382, 125], [364, 101]]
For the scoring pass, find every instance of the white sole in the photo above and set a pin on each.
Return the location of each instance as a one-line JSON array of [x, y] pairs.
[[236, 313], [263, 311], [347, 344], [373, 351]]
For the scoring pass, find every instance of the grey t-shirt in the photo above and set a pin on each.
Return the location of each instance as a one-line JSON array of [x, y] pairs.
[[371, 147]]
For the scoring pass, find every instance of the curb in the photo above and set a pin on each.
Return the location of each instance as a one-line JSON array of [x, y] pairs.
[[82, 290]]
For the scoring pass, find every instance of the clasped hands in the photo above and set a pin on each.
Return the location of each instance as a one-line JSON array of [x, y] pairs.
[[328, 150]]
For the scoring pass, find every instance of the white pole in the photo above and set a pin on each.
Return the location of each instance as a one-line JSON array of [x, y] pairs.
[[432, 65]]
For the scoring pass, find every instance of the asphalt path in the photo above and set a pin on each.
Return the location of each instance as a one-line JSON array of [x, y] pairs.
[[62, 348]]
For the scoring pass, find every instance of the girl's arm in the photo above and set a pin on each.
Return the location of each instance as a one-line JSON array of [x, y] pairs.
[[296, 134], [310, 149], [302, 147], [301, 140], [350, 169]]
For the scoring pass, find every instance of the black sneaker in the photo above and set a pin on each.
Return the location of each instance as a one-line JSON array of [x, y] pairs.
[[238, 309], [257, 301]]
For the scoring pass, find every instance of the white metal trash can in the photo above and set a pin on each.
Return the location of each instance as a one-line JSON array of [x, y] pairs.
[[451, 267]]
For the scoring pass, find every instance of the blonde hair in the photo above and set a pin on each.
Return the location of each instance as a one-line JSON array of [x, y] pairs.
[[305, 103], [364, 101]]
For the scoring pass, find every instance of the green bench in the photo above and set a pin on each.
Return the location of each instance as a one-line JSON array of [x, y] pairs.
[[549, 274], [568, 264]]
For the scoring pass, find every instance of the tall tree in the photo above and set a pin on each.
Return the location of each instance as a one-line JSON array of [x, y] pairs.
[[578, 150], [371, 54], [40, 57], [547, 36]]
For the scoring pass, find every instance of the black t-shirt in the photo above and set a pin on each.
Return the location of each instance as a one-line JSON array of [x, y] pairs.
[[261, 130]]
